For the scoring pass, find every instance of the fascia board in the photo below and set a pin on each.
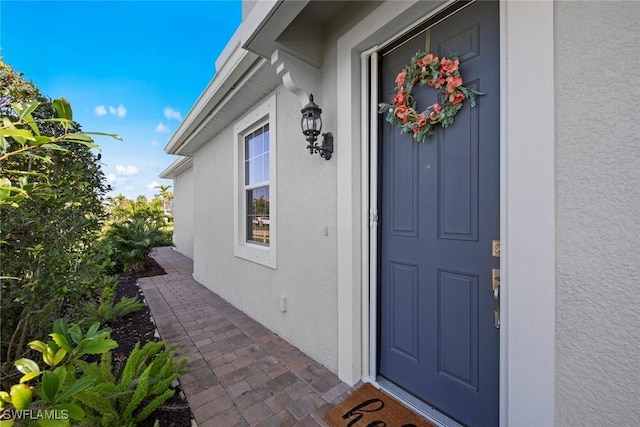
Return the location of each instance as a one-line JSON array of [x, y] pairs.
[[177, 167]]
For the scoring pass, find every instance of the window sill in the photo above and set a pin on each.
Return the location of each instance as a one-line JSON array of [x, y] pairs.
[[259, 254]]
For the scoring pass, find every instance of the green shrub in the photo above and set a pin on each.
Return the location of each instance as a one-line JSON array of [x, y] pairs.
[[132, 242], [132, 395], [108, 311], [166, 238], [55, 387], [51, 213], [93, 393]]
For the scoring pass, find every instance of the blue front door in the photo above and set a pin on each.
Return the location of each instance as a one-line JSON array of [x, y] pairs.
[[439, 213]]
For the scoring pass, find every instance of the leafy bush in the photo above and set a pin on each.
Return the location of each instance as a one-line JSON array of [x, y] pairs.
[[140, 388], [108, 310], [92, 392], [132, 242], [55, 388], [122, 209], [51, 211], [166, 238]]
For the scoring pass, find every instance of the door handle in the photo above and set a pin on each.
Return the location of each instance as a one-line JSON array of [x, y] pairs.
[[495, 288]]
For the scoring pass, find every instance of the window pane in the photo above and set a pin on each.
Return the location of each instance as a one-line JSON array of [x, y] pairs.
[[258, 215], [265, 159], [248, 169], [258, 171], [259, 142], [256, 156], [250, 147]]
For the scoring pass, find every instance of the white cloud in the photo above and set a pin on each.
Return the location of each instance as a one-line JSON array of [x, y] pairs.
[[154, 143], [170, 113], [118, 111], [121, 111], [127, 170], [111, 178], [99, 110], [152, 185], [162, 127]]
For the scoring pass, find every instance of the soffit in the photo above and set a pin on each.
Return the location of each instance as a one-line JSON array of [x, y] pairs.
[[296, 27]]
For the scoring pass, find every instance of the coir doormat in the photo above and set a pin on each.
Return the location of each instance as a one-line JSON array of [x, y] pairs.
[[368, 406]]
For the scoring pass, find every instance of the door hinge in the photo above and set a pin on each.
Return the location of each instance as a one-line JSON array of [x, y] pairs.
[[373, 218]]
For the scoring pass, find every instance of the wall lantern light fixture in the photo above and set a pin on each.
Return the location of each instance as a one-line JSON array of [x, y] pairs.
[[312, 126]]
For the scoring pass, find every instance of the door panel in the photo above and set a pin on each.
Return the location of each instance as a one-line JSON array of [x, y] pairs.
[[457, 327], [458, 178], [439, 211], [404, 196], [404, 323]]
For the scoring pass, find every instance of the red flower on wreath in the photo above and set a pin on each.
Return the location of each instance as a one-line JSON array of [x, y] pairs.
[[426, 60], [439, 73], [421, 121], [435, 112], [437, 83], [400, 77], [449, 66], [453, 83], [456, 98], [402, 112], [400, 97]]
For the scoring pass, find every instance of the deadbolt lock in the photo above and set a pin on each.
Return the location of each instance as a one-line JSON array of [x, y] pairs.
[[495, 248]]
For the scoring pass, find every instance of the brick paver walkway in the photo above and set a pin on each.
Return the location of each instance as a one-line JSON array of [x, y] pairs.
[[240, 373]]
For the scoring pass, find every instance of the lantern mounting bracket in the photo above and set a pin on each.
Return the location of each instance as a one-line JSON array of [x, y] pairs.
[[326, 149]]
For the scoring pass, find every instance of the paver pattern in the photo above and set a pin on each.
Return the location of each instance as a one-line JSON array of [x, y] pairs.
[[240, 373]]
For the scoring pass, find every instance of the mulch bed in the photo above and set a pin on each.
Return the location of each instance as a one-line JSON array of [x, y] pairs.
[[138, 327]]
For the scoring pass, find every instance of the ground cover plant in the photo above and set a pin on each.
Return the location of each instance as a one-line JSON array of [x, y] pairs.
[[138, 327], [109, 310], [92, 392]]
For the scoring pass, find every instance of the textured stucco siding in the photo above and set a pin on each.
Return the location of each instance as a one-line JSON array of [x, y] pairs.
[[183, 213], [306, 258], [597, 75]]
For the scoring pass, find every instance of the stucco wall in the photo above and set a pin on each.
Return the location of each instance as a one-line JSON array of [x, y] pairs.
[[597, 71], [183, 213], [306, 258]]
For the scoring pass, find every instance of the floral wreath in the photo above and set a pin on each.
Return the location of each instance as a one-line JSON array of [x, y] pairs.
[[443, 74]]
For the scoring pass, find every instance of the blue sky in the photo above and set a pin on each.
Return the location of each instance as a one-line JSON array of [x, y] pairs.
[[133, 68]]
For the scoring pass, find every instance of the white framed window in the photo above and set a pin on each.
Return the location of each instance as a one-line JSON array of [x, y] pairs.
[[255, 185]]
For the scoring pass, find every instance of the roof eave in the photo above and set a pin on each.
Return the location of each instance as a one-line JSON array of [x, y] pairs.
[[179, 166]]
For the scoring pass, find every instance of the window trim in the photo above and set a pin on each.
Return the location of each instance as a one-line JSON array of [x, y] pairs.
[[255, 252]]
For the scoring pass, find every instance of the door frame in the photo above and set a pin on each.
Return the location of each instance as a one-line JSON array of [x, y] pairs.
[[527, 201]]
